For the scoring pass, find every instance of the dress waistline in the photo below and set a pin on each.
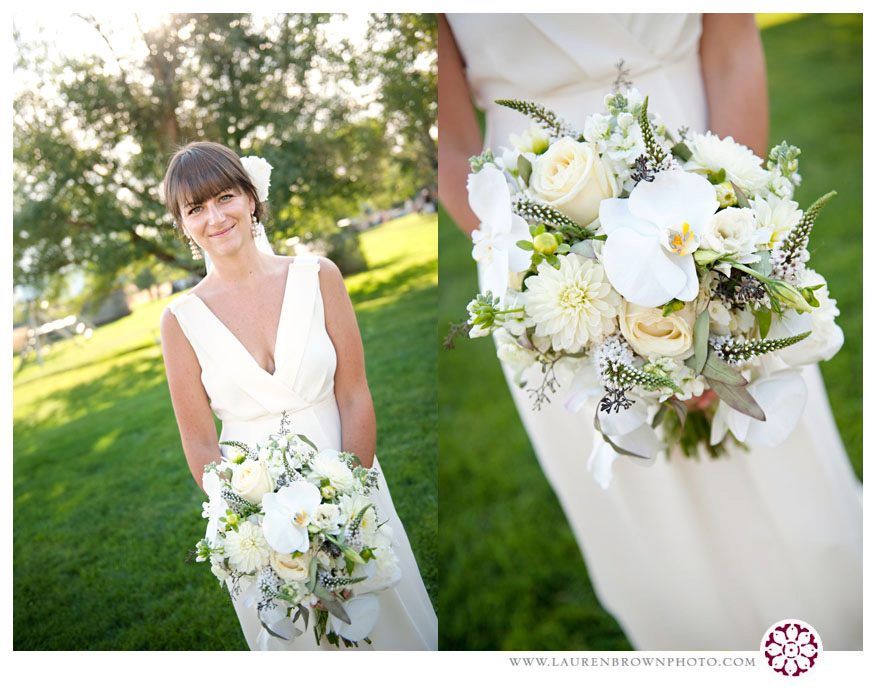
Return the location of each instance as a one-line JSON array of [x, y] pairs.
[[327, 399]]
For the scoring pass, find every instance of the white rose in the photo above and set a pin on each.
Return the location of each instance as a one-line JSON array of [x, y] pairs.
[[252, 480], [650, 333], [259, 171], [731, 231], [326, 465], [571, 176], [291, 568]]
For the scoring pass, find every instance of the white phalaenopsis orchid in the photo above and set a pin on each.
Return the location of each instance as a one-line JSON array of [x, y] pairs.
[[781, 396], [363, 612], [648, 254], [495, 243], [288, 514], [215, 506], [629, 430]]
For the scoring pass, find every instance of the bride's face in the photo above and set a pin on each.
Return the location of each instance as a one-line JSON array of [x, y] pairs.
[[220, 224]]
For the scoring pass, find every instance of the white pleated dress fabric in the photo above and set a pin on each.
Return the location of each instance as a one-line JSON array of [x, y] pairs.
[[250, 403], [685, 554]]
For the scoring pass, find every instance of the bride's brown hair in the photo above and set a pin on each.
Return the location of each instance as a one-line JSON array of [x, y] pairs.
[[201, 170]]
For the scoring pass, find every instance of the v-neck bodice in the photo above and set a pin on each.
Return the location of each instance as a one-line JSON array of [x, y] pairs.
[[245, 397], [277, 333]]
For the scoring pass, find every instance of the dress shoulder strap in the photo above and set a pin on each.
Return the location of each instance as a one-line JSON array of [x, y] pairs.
[[306, 260], [185, 309]]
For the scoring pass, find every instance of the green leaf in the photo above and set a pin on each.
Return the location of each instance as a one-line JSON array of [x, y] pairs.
[[614, 446], [681, 151], [764, 321], [716, 369], [671, 306], [524, 169], [563, 248], [763, 265], [331, 603], [680, 409], [307, 441], [738, 398], [311, 575], [658, 418], [700, 341], [553, 261], [525, 244], [302, 612], [741, 199]]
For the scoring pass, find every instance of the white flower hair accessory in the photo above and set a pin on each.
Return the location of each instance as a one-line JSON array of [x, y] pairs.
[[259, 171]]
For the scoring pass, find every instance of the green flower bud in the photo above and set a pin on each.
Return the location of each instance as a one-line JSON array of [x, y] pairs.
[[705, 256], [726, 194], [788, 294], [545, 243]]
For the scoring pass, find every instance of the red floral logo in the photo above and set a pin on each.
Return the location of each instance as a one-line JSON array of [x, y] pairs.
[[791, 647]]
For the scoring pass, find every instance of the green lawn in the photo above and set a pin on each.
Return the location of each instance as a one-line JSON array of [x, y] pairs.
[[504, 584], [105, 509]]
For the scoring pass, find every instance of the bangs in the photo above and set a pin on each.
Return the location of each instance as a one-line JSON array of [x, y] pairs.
[[197, 178]]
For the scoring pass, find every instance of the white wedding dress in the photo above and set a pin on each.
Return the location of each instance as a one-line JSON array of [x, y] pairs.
[[686, 555], [250, 403]]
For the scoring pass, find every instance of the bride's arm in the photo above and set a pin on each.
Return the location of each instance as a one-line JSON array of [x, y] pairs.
[[191, 406], [734, 74], [358, 426], [459, 136]]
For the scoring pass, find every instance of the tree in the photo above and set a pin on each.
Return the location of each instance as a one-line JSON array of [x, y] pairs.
[[93, 137], [403, 57]]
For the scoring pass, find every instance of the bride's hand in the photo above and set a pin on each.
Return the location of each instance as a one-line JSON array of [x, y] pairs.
[[701, 402]]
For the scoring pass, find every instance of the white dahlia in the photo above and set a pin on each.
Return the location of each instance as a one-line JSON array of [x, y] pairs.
[[246, 548], [572, 305], [710, 153]]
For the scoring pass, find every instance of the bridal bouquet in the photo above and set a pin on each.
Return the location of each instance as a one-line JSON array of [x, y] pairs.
[[661, 274], [293, 532]]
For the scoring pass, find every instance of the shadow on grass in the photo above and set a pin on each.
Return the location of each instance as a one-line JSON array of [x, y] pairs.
[[84, 365], [395, 283], [106, 511]]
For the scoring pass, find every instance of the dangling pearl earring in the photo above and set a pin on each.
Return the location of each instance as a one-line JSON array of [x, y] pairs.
[[257, 228], [196, 250]]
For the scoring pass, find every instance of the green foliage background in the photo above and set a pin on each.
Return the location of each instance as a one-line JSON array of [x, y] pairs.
[[105, 509], [92, 136], [512, 576]]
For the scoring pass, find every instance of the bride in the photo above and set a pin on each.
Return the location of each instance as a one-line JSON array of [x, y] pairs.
[[685, 555], [262, 337]]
